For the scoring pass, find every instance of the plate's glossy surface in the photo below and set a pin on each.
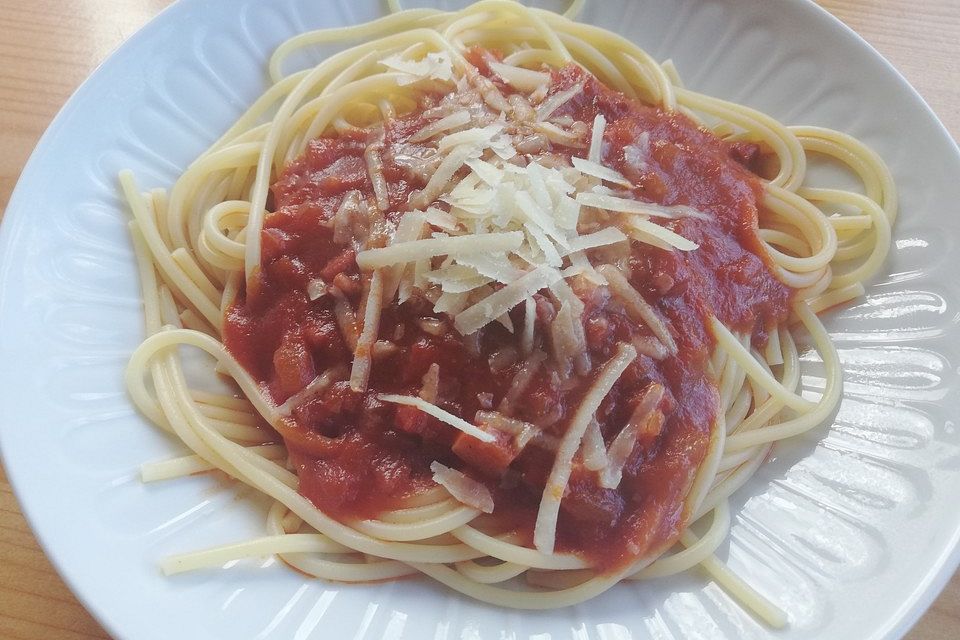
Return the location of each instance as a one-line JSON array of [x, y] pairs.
[[851, 529]]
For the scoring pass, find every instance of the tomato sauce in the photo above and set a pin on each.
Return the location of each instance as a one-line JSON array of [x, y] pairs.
[[357, 456]]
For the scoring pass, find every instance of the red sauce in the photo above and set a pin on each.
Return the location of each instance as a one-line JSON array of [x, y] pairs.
[[357, 456]]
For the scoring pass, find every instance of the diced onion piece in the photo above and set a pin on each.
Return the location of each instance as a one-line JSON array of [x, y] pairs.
[[462, 487], [431, 384], [316, 289]]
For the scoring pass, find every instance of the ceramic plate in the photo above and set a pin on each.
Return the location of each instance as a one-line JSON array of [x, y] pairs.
[[852, 528]]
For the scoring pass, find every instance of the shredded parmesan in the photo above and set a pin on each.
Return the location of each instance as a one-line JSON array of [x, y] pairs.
[[360, 374], [452, 121], [636, 306], [409, 228], [433, 66], [594, 450], [519, 78], [433, 247], [646, 231], [462, 487], [375, 169], [529, 325], [522, 380], [627, 205], [545, 530], [602, 238], [317, 386], [500, 302], [557, 100], [346, 318], [622, 446], [595, 154], [480, 137], [522, 432], [490, 229], [438, 413], [438, 181], [597, 170]]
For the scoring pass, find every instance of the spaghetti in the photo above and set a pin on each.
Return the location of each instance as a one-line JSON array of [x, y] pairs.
[[499, 302]]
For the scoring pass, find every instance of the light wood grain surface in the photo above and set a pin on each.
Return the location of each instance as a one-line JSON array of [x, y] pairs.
[[48, 47]]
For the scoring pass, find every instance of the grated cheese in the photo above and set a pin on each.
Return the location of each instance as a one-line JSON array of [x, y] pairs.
[[595, 154], [438, 218], [433, 66], [433, 247], [622, 446], [545, 530], [519, 78], [557, 100], [627, 205], [597, 170], [443, 416], [362, 352], [452, 121], [636, 306], [500, 302], [503, 227], [651, 233], [375, 170], [462, 487], [316, 386], [529, 325], [593, 449], [602, 238]]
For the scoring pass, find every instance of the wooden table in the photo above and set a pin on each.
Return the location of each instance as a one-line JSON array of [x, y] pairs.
[[48, 47]]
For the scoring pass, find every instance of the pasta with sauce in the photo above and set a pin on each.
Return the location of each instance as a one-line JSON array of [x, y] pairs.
[[497, 301]]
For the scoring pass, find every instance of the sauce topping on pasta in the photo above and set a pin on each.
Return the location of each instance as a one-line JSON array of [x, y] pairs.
[[358, 455]]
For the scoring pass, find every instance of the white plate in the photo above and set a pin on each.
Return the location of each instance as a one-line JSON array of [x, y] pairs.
[[852, 530]]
